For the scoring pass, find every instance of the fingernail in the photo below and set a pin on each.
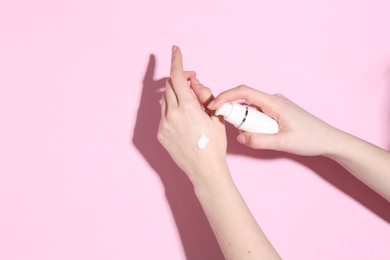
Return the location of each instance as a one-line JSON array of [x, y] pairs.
[[241, 139], [210, 105], [174, 48]]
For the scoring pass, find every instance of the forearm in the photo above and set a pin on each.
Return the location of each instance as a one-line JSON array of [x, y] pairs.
[[367, 162], [236, 230]]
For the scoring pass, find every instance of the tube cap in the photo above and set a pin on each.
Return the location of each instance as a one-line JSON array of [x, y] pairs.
[[232, 112], [225, 110]]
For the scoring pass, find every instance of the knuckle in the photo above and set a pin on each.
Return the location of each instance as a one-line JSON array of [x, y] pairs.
[[175, 73], [190, 73], [250, 141], [161, 127], [161, 131], [281, 100], [160, 137], [172, 116], [206, 91], [242, 87], [188, 107], [279, 95]]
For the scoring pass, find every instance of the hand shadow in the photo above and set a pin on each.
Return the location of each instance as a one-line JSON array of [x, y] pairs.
[[195, 232]]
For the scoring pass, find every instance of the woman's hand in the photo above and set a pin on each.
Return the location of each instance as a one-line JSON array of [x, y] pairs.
[[299, 131], [184, 120]]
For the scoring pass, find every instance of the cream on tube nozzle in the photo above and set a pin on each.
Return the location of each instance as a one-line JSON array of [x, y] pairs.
[[247, 119]]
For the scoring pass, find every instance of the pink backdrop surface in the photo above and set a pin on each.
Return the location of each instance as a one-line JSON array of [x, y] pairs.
[[82, 175]]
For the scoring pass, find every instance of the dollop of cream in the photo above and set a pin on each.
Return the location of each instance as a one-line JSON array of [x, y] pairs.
[[203, 141]]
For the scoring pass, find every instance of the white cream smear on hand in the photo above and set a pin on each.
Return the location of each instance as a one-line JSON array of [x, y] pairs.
[[203, 141]]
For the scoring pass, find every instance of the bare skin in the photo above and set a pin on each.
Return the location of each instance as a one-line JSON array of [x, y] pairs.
[[186, 113], [182, 121], [302, 133]]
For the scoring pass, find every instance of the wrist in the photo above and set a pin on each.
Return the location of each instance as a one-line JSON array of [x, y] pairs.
[[211, 178], [337, 144]]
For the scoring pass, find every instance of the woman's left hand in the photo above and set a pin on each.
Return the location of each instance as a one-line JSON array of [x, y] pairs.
[[184, 119]]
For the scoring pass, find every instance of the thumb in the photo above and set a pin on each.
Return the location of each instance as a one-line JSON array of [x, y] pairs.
[[259, 141]]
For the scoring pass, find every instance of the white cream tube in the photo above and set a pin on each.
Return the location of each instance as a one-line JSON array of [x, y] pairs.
[[247, 119]]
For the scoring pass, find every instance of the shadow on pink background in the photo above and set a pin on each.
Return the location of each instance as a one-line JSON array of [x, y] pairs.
[[196, 235]]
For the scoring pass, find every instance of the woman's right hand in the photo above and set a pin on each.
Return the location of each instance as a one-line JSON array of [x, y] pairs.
[[299, 131]]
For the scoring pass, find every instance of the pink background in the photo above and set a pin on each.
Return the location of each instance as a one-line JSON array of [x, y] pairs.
[[82, 175]]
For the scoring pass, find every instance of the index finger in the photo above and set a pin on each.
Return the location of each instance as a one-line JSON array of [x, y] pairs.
[[258, 98], [178, 77]]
